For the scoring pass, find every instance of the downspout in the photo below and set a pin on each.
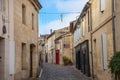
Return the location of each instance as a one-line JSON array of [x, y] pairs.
[[92, 66], [113, 27]]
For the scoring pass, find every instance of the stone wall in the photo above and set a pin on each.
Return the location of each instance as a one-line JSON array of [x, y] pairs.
[[23, 33], [102, 24], [117, 24]]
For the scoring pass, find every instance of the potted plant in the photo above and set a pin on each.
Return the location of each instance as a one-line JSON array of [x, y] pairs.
[[114, 65], [67, 61]]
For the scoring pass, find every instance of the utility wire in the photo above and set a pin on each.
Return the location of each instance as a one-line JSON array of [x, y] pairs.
[[60, 13]]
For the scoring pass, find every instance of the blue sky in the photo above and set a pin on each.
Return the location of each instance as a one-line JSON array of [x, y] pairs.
[[53, 21]]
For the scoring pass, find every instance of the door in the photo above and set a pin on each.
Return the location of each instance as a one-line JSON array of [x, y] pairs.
[[2, 56], [85, 63], [46, 58], [57, 57], [32, 50]]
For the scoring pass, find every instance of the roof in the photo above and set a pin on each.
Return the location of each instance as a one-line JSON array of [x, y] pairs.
[[36, 4], [87, 5], [59, 37], [62, 30]]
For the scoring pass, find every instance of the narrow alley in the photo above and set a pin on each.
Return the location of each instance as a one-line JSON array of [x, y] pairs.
[[57, 72]]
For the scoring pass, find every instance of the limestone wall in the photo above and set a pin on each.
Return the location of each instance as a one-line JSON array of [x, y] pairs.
[[23, 33]]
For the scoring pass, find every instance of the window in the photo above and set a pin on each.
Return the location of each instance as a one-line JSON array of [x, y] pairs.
[[23, 56], [95, 47], [0, 5], [32, 21], [23, 14], [102, 5], [104, 50], [88, 20], [83, 27]]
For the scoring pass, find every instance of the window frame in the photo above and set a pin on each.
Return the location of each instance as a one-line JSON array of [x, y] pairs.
[[33, 21], [23, 14]]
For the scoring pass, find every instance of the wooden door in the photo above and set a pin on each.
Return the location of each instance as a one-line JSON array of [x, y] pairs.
[[57, 57]]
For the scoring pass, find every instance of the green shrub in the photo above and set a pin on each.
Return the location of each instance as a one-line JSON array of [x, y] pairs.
[[67, 61], [114, 64]]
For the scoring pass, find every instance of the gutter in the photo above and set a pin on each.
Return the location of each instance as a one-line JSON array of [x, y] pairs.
[[91, 41], [113, 26]]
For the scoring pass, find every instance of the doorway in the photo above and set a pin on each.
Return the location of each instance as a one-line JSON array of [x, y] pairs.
[[85, 58], [32, 50], [2, 56], [57, 57]]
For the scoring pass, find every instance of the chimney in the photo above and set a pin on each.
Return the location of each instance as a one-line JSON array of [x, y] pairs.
[[50, 31]]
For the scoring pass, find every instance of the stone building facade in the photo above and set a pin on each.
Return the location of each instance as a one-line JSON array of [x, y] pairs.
[[5, 38], [26, 37], [51, 47], [63, 47], [97, 28], [19, 38], [51, 44], [116, 19], [43, 47], [102, 38], [81, 40]]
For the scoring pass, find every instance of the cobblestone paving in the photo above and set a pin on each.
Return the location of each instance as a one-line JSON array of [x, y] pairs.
[[57, 72]]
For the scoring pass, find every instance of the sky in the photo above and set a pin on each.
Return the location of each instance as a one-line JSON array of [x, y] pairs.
[[50, 14]]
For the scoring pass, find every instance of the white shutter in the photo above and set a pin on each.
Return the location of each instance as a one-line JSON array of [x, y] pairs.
[[83, 25], [102, 5], [0, 5], [11, 57], [74, 37], [77, 34], [80, 32], [104, 50]]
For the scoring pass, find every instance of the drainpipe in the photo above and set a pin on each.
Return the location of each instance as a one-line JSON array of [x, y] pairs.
[[92, 66], [113, 26]]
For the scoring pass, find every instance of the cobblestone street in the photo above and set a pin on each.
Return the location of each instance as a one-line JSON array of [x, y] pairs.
[[56, 72]]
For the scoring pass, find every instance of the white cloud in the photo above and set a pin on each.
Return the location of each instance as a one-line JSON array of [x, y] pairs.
[[57, 24], [64, 6], [70, 5]]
